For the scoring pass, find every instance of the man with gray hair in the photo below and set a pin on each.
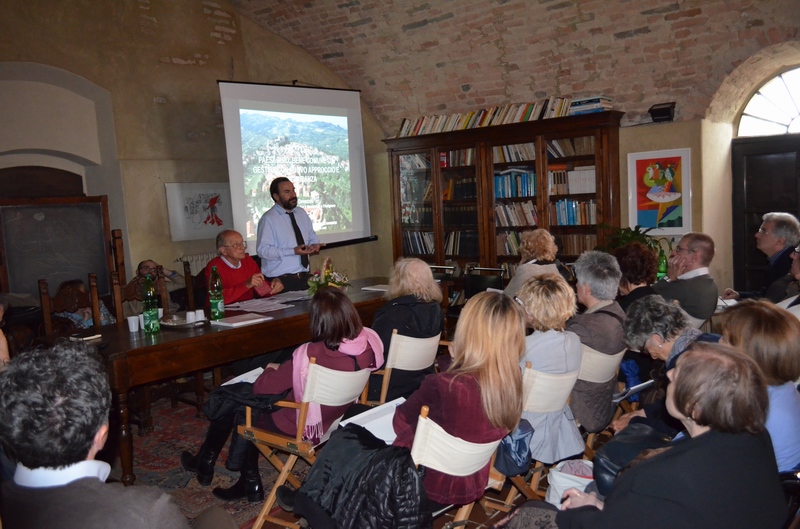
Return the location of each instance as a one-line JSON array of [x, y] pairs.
[[688, 280], [54, 406], [600, 328], [776, 238]]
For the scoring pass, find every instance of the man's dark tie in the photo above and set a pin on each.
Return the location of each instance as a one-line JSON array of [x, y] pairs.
[[299, 236]]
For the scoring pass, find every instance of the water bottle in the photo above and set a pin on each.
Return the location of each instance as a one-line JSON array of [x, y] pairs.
[[150, 307], [215, 299], [663, 265]]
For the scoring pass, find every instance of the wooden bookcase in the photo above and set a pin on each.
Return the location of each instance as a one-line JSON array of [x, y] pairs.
[[454, 192]]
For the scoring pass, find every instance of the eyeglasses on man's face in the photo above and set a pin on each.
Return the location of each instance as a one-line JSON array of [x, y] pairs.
[[238, 245], [679, 249], [762, 231], [148, 268]]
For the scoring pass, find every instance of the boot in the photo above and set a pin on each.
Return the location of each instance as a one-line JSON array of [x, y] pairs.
[[203, 462], [249, 485]]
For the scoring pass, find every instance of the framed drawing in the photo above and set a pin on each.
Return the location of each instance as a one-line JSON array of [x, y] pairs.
[[198, 211], [659, 191]]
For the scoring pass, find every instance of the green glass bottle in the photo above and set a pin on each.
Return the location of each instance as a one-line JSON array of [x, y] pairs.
[[150, 307], [215, 299], [663, 265]]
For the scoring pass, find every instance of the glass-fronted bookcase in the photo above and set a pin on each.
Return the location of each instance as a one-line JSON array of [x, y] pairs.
[[464, 197]]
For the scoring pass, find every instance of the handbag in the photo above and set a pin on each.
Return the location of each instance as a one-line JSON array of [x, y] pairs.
[[623, 448], [565, 475], [514, 452]]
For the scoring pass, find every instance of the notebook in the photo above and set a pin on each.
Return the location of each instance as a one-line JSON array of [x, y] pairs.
[[241, 320]]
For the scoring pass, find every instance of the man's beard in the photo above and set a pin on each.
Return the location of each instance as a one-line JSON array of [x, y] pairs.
[[289, 204]]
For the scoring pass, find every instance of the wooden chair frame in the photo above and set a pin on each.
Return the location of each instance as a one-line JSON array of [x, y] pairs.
[[324, 386]]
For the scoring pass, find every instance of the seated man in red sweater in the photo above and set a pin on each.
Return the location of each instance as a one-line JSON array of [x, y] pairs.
[[241, 276]]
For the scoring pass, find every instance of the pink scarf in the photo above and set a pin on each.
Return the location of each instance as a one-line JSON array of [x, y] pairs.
[[300, 362]]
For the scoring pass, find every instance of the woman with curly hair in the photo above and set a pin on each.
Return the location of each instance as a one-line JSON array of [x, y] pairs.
[[537, 250], [639, 266]]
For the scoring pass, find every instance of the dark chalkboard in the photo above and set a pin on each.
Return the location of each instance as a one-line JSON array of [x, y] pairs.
[[54, 239]]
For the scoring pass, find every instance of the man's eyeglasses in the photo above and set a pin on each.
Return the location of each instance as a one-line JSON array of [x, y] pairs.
[[762, 231], [148, 268], [238, 245], [679, 249]]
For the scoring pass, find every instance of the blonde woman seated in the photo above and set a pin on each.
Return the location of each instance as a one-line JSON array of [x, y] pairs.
[[550, 302], [537, 250], [479, 398]]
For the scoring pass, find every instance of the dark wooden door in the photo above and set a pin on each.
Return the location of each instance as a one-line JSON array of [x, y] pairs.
[[766, 177]]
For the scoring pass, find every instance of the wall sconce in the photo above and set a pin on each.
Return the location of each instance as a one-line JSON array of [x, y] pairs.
[[662, 112]]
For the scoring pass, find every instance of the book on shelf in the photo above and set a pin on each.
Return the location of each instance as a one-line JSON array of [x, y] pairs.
[[550, 107], [576, 244]]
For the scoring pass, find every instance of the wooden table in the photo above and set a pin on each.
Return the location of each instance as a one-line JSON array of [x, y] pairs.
[[136, 359]]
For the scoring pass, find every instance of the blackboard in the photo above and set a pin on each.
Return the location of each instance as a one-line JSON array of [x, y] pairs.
[[54, 239]]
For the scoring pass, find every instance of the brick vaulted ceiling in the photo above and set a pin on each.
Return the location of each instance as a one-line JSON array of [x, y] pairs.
[[412, 57]]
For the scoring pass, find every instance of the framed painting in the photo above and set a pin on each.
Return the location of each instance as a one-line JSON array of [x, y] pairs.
[[198, 211], [659, 191]]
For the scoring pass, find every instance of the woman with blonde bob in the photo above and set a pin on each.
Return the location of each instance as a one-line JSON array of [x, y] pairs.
[[771, 336], [479, 398], [550, 302], [537, 250], [414, 309]]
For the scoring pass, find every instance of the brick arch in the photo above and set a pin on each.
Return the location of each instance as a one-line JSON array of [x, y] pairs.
[[739, 86]]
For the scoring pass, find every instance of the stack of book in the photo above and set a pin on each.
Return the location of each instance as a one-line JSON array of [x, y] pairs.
[[516, 214], [590, 105], [550, 107]]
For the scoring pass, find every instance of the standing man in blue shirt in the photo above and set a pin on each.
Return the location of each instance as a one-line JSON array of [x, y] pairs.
[[286, 238]]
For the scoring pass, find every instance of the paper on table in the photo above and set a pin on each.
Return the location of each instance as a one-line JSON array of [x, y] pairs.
[[250, 376], [376, 288], [240, 320], [378, 420]]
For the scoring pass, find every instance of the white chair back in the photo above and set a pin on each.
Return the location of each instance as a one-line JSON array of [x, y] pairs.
[[434, 448], [546, 392], [329, 387], [411, 354], [598, 367]]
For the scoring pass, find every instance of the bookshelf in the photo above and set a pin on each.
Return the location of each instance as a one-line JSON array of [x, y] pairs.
[[465, 196]]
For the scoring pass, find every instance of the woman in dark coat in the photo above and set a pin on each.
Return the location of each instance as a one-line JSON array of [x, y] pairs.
[[414, 309]]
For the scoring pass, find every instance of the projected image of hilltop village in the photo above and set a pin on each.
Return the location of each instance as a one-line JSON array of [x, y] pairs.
[[312, 151]]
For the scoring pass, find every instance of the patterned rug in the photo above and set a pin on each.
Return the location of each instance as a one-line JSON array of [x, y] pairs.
[[156, 460]]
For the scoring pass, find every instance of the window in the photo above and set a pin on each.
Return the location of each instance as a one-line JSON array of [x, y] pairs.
[[775, 108]]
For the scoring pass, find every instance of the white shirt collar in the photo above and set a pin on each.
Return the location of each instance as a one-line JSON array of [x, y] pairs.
[[694, 273], [229, 263], [56, 477]]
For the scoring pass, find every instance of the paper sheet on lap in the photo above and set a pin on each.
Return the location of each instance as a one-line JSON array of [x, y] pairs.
[[378, 420]]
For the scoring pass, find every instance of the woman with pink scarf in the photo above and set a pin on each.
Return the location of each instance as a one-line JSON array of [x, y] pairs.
[[338, 341]]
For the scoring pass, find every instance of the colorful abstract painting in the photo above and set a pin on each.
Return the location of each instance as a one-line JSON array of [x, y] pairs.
[[198, 211], [659, 184]]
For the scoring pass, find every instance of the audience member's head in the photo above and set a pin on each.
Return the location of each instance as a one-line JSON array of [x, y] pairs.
[[537, 244], [698, 244], [653, 316], [148, 267], [413, 277], [717, 386], [54, 405], [333, 317], [778, 231], [71, 284], [232, 246], [638, 264], [599, 272], [489, 342], [549, 302], [768, 334]]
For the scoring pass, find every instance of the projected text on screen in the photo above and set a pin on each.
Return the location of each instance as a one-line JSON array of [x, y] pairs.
[[312, 151]]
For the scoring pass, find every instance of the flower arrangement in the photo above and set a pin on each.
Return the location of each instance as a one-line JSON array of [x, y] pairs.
[[327, 277]]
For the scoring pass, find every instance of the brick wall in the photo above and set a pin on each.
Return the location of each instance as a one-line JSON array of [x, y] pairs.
[[415, 57]]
